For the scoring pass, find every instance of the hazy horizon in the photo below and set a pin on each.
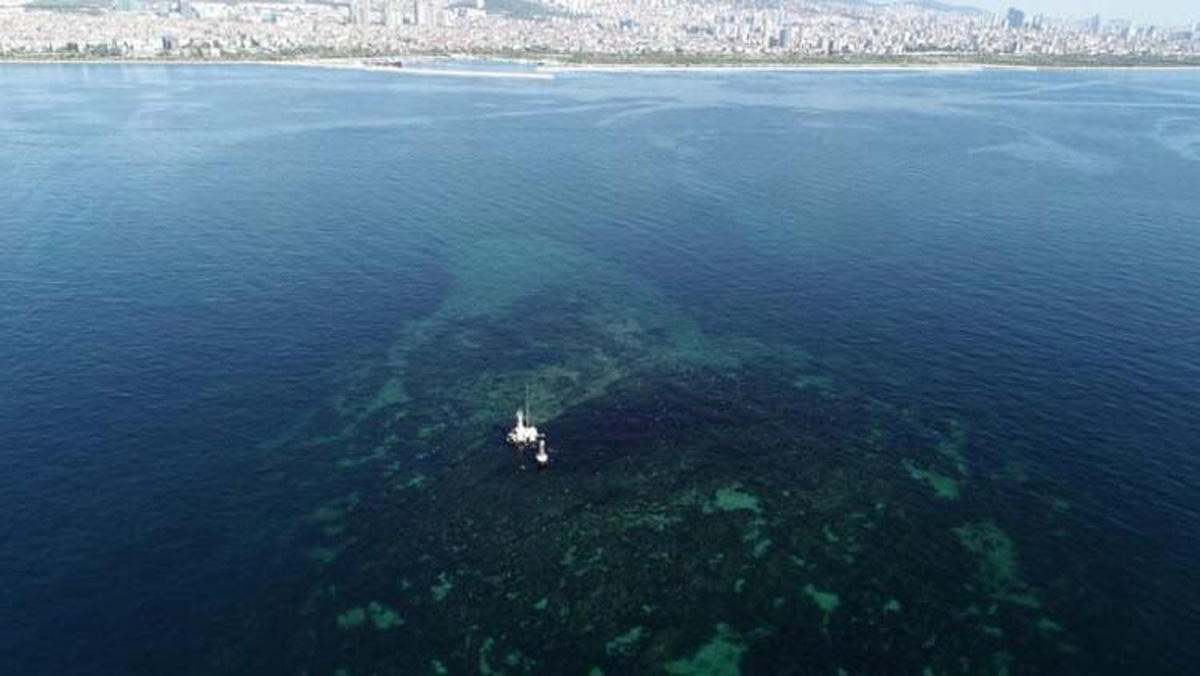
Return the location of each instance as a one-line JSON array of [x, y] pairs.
[[1155, 11]]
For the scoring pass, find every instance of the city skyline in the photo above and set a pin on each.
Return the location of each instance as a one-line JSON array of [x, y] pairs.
[[587, 30], [1161, 12]]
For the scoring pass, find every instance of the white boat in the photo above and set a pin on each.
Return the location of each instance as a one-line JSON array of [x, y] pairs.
[[523, 435]]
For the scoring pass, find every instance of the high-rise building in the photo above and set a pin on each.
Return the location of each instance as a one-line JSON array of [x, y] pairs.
[[429, 13], [1093, 24], [786, 38], [393, 13], [1014, 18], [360, 12]]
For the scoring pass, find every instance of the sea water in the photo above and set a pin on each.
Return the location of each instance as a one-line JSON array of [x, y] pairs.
[[879, 371]]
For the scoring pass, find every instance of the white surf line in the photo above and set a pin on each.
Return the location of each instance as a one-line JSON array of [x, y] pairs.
[[761, 68], [446, 72]]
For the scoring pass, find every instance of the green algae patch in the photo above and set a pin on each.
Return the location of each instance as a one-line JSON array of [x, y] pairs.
[[485, 657], [830, 536], [581, 566], [323, 555], [442, 589], [514, 658], [380, 453], [1002, 663], [626, 644], [993, 547], [417, 480], [753, 535], [438, 668], [951, 447], [352, 619], [732, 500], [335, 510], [331, 519], [541, 604], [825, 600], [822, 385], [383, 617], [1048, 626], [876, 437], [997, 563], [654, 520], [722, 656], [944, 487], [334, 530], [429, 431], [892, 606]]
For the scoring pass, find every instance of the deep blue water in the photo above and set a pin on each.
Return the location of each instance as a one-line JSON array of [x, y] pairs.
[[196, 261]]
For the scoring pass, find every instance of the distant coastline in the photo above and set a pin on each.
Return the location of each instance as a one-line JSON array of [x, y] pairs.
[[543, 68]]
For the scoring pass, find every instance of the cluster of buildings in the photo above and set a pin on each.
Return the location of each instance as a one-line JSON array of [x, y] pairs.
[[752, 29]]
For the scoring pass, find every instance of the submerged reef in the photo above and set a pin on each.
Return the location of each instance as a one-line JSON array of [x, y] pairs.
[[721, 655], [997, 573], [716, 505]]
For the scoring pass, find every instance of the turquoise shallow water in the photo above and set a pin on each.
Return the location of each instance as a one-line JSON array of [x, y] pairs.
[[880, 372]]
